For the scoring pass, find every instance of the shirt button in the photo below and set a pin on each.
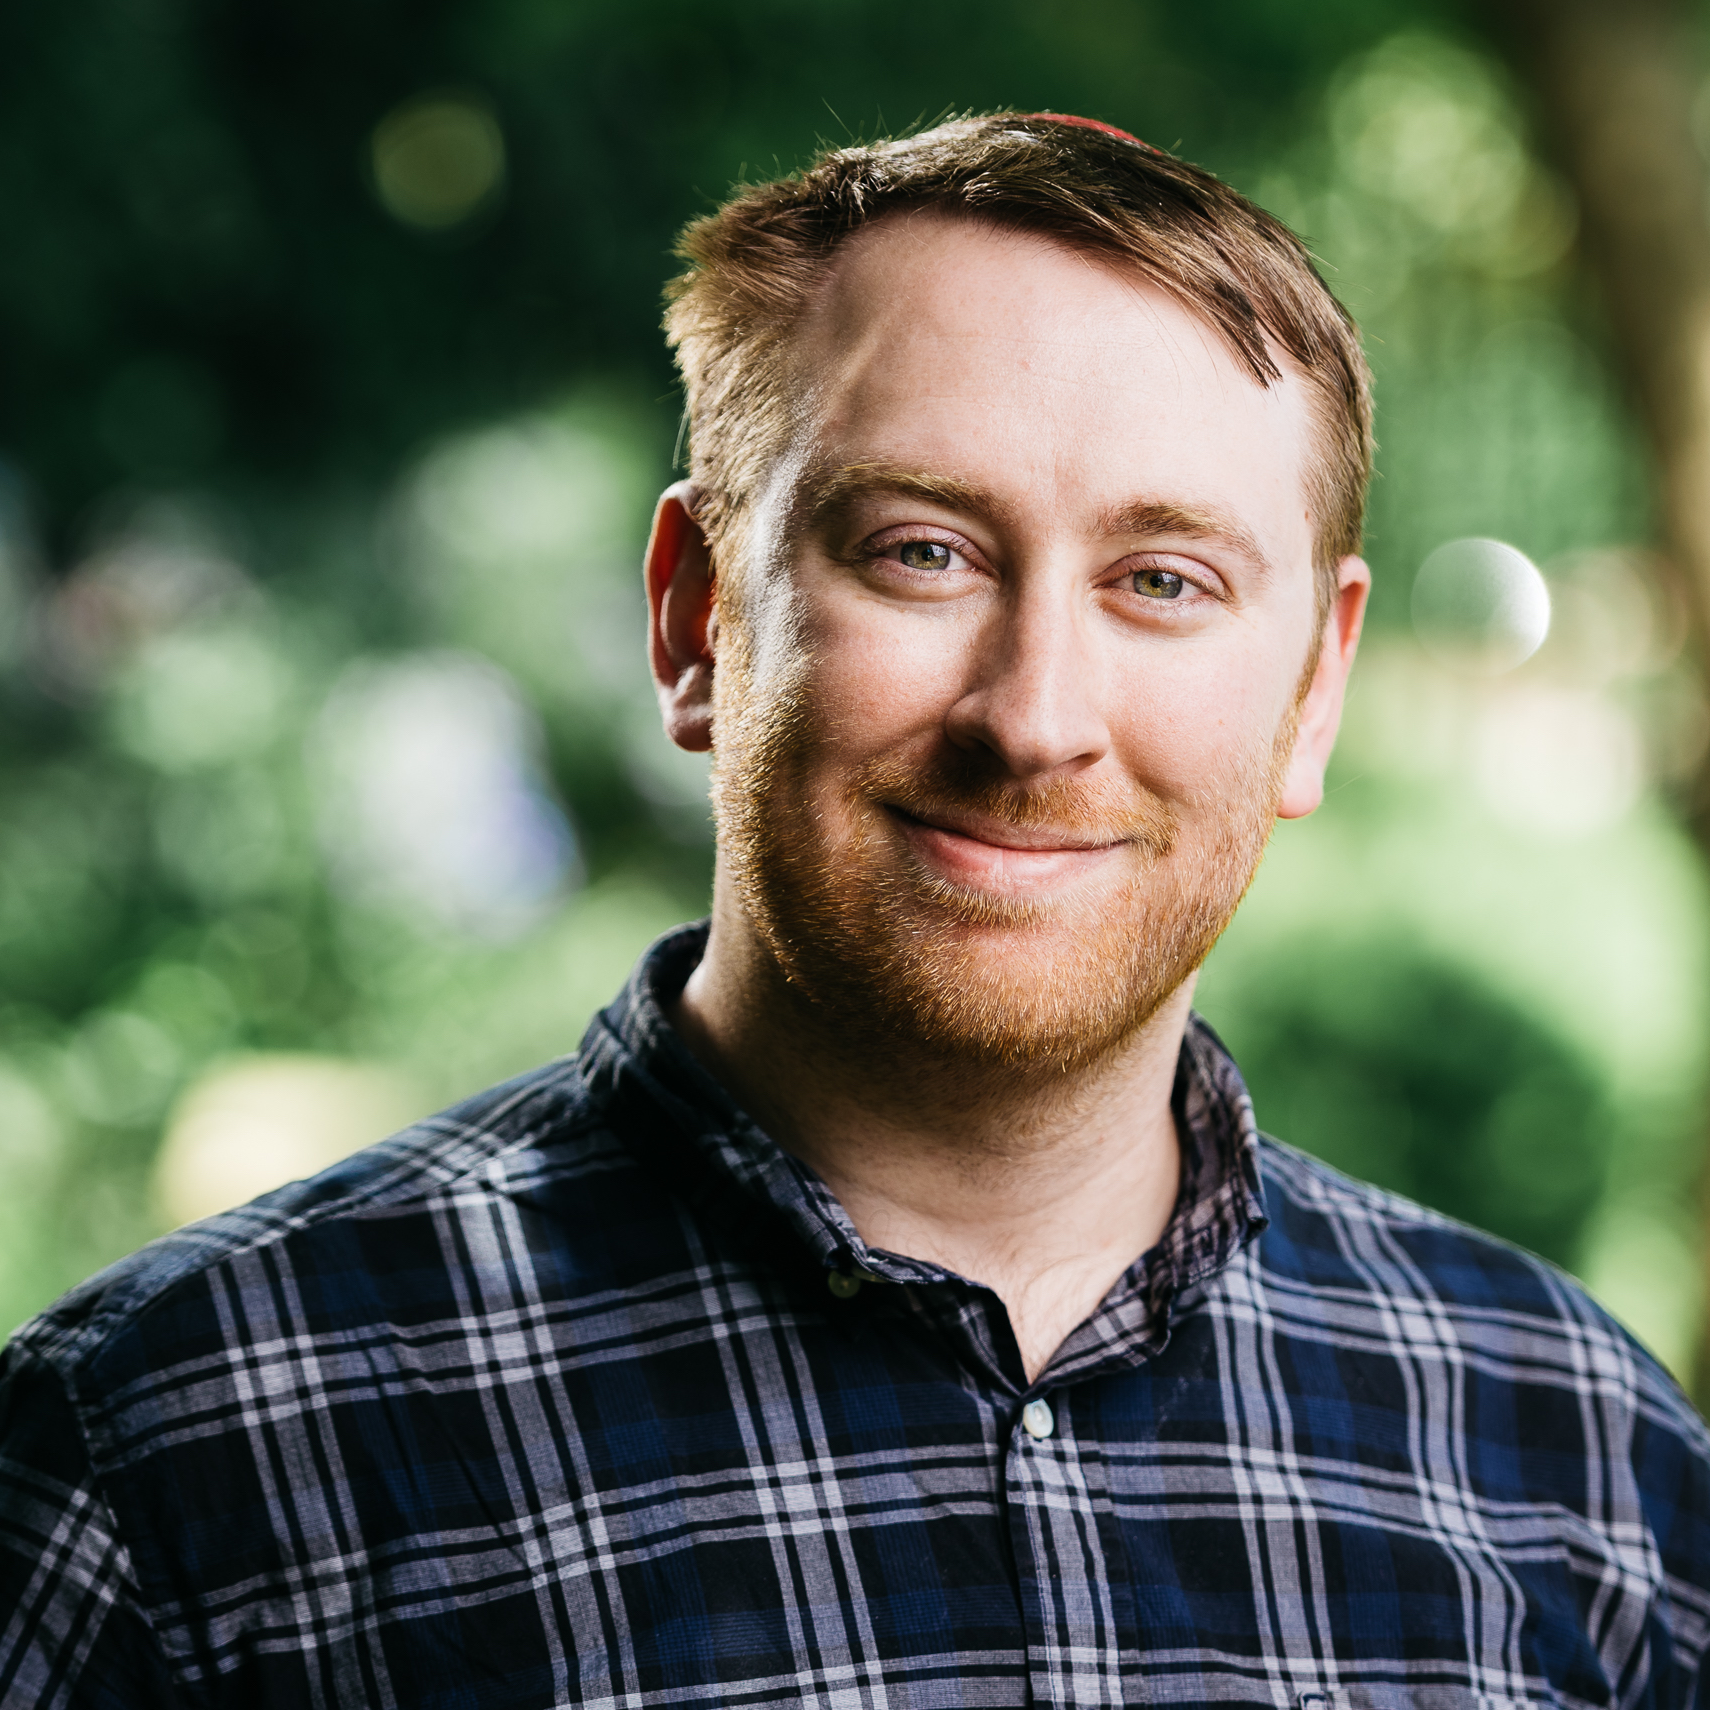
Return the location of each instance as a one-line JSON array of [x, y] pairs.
[[842, 1284], [1037, 1419]]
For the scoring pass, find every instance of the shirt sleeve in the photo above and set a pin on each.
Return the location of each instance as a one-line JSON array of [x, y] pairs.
[[1671, 1459], [73, 1632]]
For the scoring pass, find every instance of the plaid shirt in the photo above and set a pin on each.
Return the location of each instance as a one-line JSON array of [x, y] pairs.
[[587, 1393]]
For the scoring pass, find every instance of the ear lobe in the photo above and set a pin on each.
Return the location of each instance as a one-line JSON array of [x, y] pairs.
[[679, 574], [1321, 711]]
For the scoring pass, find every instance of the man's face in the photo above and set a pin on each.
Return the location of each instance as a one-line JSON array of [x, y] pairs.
[[1005, 704]]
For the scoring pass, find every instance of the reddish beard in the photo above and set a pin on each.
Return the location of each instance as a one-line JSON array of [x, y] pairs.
[[888, 952]]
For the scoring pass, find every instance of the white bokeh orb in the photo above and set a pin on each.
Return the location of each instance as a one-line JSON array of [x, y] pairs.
[[1480, 605]]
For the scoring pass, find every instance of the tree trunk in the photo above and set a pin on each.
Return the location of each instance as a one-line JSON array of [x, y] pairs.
[[1615, 82]]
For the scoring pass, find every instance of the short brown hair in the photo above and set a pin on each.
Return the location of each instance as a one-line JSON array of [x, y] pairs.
[[755, 264]]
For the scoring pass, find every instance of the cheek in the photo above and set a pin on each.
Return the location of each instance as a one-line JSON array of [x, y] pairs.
[[1190, 716], [770, 639], [880, 676]]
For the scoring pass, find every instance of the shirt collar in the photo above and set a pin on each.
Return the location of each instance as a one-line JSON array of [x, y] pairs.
[[666, 1105]]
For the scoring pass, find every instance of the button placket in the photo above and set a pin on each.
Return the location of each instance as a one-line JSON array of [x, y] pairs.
[[1076, 1649]]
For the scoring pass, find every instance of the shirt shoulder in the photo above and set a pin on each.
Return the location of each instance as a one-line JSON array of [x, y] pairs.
[[1531, 1396], [139, 1416], [1533, 1359], [538, 1133]]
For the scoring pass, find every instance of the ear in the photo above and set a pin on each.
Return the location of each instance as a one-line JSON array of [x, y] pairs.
[[680, 619], [1321, 710]]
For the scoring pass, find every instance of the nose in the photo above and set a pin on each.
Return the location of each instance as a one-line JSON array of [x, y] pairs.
[[1033, 690]]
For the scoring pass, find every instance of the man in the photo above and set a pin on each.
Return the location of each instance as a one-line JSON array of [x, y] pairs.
[[893, 1303]]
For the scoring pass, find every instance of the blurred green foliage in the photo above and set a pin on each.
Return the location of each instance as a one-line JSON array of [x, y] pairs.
[[212, 289], [332, 403], [1405, 1070]]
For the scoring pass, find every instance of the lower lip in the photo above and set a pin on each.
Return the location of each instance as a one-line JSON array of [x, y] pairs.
[[993, 866]]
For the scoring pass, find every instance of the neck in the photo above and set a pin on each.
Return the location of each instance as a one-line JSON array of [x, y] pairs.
[[1043, 1186]]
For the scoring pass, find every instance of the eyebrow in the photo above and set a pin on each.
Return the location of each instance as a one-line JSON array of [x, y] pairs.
[[1155, 517], [832, 491], [826, 494]]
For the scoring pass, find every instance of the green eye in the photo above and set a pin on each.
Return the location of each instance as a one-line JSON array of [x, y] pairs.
[[1158, 584], [924, 555]]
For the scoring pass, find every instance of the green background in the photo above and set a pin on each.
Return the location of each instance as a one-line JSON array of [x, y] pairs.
[[276, 457]]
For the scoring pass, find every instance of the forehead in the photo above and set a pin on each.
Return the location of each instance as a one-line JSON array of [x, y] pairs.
[[1007, 359]]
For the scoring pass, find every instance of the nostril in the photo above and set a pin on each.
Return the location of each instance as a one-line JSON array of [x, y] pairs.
[[1029, 734]]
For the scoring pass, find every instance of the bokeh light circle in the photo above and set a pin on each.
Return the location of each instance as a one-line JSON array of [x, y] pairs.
[[1480, 605], [437, 159]]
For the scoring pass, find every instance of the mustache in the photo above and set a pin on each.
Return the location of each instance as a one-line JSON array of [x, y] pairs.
[[1087, 810]]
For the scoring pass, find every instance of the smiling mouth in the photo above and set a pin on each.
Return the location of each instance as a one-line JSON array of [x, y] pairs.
[[1004, 835], [974, 852]]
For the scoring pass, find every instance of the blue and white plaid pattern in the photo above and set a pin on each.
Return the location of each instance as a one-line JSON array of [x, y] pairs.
[[550, 1401]]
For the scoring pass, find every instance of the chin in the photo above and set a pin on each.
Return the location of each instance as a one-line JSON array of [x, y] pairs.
[[991, 981]]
